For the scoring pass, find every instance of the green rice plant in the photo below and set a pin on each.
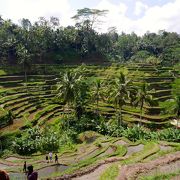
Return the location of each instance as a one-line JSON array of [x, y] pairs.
[[111, 173]]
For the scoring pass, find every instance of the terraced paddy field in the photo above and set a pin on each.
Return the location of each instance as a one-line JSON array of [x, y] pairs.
[[34, 103], [115, 158]]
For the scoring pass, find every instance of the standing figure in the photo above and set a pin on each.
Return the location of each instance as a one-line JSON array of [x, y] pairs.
[[56, 158], [50, 156], [31, 174], [47, 160], [24, 167]]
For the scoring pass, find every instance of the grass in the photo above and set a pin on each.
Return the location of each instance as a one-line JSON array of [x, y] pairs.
[[111, 173], [38, 88], [149, 149], [37, 84], [44, 111], [2, 72], [120, 151]]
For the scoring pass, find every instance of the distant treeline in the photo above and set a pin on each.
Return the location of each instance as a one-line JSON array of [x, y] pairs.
[[46, 41]]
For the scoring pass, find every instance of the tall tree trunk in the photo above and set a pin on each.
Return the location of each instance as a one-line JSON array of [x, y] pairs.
[[120, 117], [141, 108], [97, 106], [25, 73]]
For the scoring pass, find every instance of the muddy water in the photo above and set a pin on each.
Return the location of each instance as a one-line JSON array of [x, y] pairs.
[[134, 149], [107, 152], [42, 173], [3, 166], [15, 159], [120, 142], [165, 148]]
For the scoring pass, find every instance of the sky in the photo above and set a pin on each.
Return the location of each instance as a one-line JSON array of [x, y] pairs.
[[127, 16]]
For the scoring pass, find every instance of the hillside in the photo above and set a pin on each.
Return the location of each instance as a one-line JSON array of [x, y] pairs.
[[34, 121]]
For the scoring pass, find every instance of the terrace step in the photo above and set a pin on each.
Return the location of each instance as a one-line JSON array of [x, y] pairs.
[[49, 116], [163, 98], [44, 111], [157, 118], [132, 119], [18, 78], [161, 93], [158, 79]]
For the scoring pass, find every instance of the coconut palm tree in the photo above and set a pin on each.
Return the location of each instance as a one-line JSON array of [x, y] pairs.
[[143, 96], [67, 88], [119, 93], [172, 106], [24, 58], [97, 93]]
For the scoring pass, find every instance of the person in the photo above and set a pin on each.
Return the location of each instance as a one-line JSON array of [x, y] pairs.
[[24, 167], [56, 158], [50, 156], [31, 174], [47, 160], [4, 175]]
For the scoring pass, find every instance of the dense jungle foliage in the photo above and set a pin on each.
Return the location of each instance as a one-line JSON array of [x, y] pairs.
[[46, 41]]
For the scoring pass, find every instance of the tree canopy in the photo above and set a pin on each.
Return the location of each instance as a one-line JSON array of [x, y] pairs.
[[46, 41]]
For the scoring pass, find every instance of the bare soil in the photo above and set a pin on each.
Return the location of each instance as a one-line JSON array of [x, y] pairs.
[[176, 177], [164, 169], [133, 171], [110, 150], [14, 159], [120, 142], [165, 148], [3, 166]]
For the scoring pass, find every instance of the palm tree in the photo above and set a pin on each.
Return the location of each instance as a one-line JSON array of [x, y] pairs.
[[120, 91], [67, 89], [172, 106], [143, 96], [24, 58], [97, 93]]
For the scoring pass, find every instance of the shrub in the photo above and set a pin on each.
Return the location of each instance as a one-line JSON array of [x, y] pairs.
[[135, 133], [25, 146], [88, 136], [169, 134], [50, 142]]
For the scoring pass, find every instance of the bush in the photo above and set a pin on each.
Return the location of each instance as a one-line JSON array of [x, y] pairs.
[[50, 142], [88, 136], [169, 134], [134, 133], [25, 146]]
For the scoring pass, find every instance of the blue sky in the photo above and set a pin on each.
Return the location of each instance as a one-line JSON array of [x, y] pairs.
[[128, 16]]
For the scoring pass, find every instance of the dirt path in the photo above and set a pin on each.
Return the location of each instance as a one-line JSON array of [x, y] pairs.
[[3, 166], [95, 174], [164, 169], [176, 177], [94, 171], [133, 171]]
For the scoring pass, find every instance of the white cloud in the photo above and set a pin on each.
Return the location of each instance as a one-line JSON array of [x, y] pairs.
[[115, 17], [140, 8], [166, 17], [32, 9], [154, 18]]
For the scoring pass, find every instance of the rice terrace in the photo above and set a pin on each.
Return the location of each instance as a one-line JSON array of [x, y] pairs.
[[77, 103]]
